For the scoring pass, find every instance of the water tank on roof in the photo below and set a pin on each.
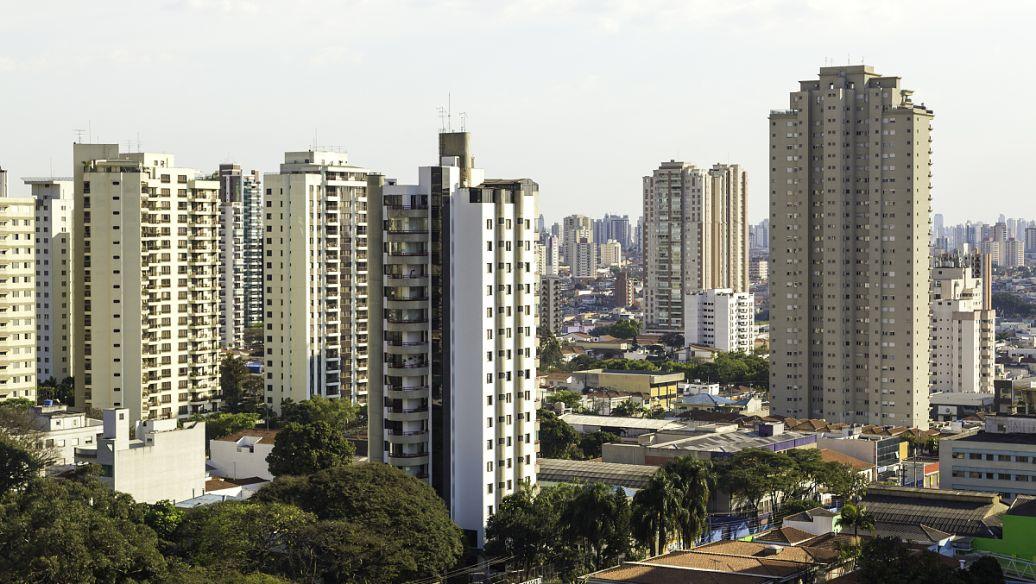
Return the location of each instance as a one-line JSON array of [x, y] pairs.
[[48, 402]]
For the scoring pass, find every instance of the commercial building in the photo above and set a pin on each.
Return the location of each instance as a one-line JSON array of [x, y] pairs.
[[963, 325], [720, 318], [316, 279], [551, 314], [706, 441], [1000, 458], [54, 200], [695, 237], [240, 253], [454, 367], [161, 463], [17, 297], [849, 251], [145, 284], [610, 253]]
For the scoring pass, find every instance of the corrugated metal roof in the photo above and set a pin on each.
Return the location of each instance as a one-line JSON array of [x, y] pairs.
[[620, 422], [633, 476]]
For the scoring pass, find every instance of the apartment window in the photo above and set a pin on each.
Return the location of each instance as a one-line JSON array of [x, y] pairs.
[[489, 444]]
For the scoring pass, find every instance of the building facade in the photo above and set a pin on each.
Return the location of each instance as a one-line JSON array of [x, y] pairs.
[[610, 253], [54, 201], [575, 229], [997, 459], [316, 287], [145, 284], [695, 237], [963, 325], [240, 253], [583, 259], [720, 318], [623, 294], [850, 182], [453, 376], [551, 314], [17, 297]]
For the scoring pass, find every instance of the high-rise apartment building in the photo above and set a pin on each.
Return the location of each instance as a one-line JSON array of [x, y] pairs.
[[54, 201], [454, 367], [850, 184], [575, 229], [551, 314], [963, 325], [583, 258], [17, 292], [240, 252], [720, 318], [1030, 240], [609, 253], [623, 292], [145, 284], [615, 227], [696, 237], [1012, 253], [316, 278]]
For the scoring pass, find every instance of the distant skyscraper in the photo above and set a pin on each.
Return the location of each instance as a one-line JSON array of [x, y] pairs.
[[551, 315], [17, 292], [937, 225], [1030, 240], [849, 276], [316, 285], [614, 227], [453, 390], [696, 237], [584, 258], [145, 284], [55, 201], [575, 229], [963, 325], [609, 253]]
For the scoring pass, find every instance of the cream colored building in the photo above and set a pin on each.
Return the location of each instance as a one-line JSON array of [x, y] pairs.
[[17, 298], [55, 201], [584, 259], [145, 284], [316, 286], [963, 337], [720, 318], [695, 237], [610, 253], [575, 228], [850, 182]]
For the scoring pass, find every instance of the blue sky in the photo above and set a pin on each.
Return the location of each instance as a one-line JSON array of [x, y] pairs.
[[585, 97]]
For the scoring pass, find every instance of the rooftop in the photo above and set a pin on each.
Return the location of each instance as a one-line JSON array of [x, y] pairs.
[[955, 512], [262, 435], [829, 455], [621, 422], [633, 476], [998, 438], [730, 442]]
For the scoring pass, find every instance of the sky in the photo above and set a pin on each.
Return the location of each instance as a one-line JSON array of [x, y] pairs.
[[585, 97]]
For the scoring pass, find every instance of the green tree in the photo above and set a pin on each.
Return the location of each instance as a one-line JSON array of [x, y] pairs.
[[673, 340], [340, 413], [855, 517], [62, 392], [656, 513], [557, 438], [240, 535], [302, 449], [693, 480], [592, 444], [402, 528], [58, 531], [598, 519], [628, 408], [985, 570], [844, 481], [182, 573], [886, 560], [753, 474], [573, 400], [164, 518], [232, 376], [220, 424], [22, 454], [550, 354]]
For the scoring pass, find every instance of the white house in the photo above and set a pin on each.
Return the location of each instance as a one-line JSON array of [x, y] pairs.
[[242, 455], [62, 431]]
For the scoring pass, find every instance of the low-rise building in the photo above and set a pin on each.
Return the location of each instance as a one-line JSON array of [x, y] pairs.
[[950, 406], [629, 477], [655, 388], [163, 462], [932, 516], [705, 441], [63, 430], [242, 455], [1000, 458]]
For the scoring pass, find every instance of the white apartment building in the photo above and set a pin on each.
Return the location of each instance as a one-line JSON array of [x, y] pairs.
[[453, 376], [610, 253], [575, 228], [54, 201], [850, 182], [584, 259], [240, 252], [720, 318], [695, 237], [162, 462], [963, 325], [316, 278], [145, 284], [17, 297]]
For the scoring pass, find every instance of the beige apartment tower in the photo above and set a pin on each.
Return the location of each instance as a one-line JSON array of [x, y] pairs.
[[963, 336], [17, 297], [850, 200], [54, 201], [316, 279], [695, 237], [145, 284]]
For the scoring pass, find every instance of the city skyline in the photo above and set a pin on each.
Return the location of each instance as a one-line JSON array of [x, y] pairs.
[[588, 88]]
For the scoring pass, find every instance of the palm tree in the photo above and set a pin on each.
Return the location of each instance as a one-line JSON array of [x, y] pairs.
[[855, 517], [693, 480], [656, 512]]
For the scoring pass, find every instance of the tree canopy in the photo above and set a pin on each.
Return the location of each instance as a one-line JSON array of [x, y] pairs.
[[302, 449]]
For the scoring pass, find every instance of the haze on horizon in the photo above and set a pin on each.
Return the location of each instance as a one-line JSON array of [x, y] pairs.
[[583, 96]]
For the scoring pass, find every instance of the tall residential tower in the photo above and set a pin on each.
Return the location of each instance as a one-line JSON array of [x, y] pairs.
[[17, 296], [850, 199], [54, 201]]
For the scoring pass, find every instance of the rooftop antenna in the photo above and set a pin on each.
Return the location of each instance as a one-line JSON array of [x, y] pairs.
[[442, 118], [90, 131], [463, 121], [79, 135], [140, 146]]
